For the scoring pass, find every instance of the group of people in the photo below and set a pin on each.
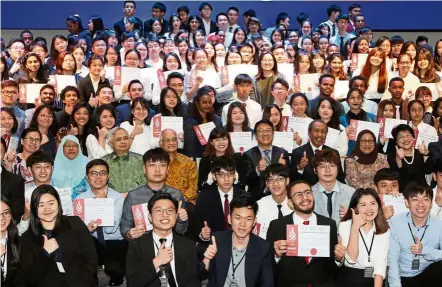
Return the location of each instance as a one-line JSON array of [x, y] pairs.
[[170, 168]]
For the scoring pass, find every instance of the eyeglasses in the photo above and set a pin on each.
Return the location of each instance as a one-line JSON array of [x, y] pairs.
[[9, 93], [405, 137], [263, 132], [367, 142], [327, 166], [6, 214], [280, 89], [301, 194], [160, 211], [32, 140], [225, 174], [278, 180], [98, 173], [46, 116]]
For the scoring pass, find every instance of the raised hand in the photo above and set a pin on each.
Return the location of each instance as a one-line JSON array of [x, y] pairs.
[[304, 161], [262, 164], [342, 211], [297, 138], [93, 101], [92, 226], [400, 153], [182, 213], [358, 219], [50, 245], [205, 231], [211, 250], [73, 131], [339, 250], [388, 211], [281, 159], [136, 232], [102, 132], [417, 247], [280, 247], [164, 256], [423, 148]]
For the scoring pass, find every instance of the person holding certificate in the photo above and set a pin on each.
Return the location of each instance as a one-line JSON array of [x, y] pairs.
[[365, 233], [300, 270], [415, 255], [326, 88], [110, 245], [416, 110], [57, 250]]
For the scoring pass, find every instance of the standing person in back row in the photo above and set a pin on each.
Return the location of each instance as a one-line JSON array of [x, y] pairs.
[[129, 9]]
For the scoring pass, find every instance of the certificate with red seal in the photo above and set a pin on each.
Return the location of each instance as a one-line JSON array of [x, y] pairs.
[[308, 240]]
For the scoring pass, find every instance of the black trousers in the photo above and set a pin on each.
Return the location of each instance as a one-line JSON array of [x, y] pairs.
[[113, 256], [430, 277], [350, 277]]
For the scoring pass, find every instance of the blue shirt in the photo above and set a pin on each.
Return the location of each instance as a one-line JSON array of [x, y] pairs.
[[110, 232], [400, 257]]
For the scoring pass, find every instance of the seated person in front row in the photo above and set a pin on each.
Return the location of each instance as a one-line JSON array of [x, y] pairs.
[[303, 271], [155, 163], [162, 257], [302, 156], [238, 257], [260, 157], [331, 196], [415, 254]]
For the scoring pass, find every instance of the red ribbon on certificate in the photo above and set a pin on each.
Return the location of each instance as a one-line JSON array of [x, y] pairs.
[[381, 122], [199, 135], [257, 229], [292, 240], [285, 123], [161, 79]]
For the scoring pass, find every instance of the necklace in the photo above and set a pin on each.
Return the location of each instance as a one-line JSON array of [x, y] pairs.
[[412, 159]]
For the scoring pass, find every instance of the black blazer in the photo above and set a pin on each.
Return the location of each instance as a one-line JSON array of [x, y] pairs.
[[140, 271], [209, 208], [14, 277], [435, 152], [293, 271], [86, 88], [78, 257], [309, 174], [258, 261], [120, 28], [252, 157], [213, 27], [13, 188]]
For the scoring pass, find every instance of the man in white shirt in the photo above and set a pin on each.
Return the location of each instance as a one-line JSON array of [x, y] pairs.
[[333, 12], [273, 206], [154, 49], [243, 86], [47, 96], [411, 81], [436, 209], [342, 36], [280, 91], [232, 16], [332, 197], [162, 257]]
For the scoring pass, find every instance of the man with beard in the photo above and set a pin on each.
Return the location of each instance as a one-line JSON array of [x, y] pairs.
[[47, 96], [302, 167], [303, 271]]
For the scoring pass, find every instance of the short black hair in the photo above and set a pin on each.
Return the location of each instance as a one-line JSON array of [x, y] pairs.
[[242, 79], [160, 6], [333, 8], [223, 162], [68, 89], [183, 9], [156, 155], [249, 13], [396, 79], [402, 128], [174, 75], [30, 130], [105, 86], [276, 169], [233, 8], [281, 17], [136, 81], [292, 184], [397, 40], [96, 162], [386, 174], [133, 2], [161, 196], [353, 6], [310, 125], [221, 14], [357, 78], [421, 38], [244, 200], [39, 157], [204, 4], [26, 31], [323, 76], [437, 167], [413, 189], [262, 122]]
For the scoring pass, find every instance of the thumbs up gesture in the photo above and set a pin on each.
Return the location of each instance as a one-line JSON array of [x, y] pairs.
[[73, 131], [205, 231], [423, 148], [262, 164], [50, 245], [182, 213], [304, 161], [339, 250], [400, 153], [281, 159], [417, 247], [211, 250]]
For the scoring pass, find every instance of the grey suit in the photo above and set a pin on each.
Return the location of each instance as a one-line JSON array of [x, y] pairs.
[[342, 197]]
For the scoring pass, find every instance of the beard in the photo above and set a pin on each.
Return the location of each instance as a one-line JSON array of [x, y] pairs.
[[304, 211]]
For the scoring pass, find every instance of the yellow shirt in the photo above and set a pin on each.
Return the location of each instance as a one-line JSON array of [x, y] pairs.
[[183, 175]]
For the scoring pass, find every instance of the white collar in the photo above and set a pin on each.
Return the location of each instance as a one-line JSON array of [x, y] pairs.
[[315, 148], [222, 193], [157, 238], [298, 218]]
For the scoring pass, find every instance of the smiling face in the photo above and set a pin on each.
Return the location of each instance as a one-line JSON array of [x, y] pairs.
[[388, 111], [32, 64], [96, 67], [376, 60], [405, 140], [70, 98], [156, 172], [169, 141], [355, 101], [367, 143], [220, 144], [327, 86], [172, 63], [242, 221], [140, 113], [304, 64], [368, 206], [404, 64], [386, 47], [7, 121], [32, 142], [45, 118], [164, 215], [107, 120], [264, 133], [170, 100], [81, 116], [238, 116], [98, 176], [5, 216], [267, 62], [61, 45], [120, 141], [132, 59], [205, 104], [325, 111], [419, 205], [302, 198], [318, 134], [42, 172], [201, 59], [105, 96], [48, 207], [299, 107], [240, 36], [423, 62], [70, 149], [411, 50]]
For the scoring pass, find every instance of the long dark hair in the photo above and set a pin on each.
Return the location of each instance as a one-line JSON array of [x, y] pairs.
[[145, 104], [34, 222], [10, 112], [245, 124], [218, 133], [41, 76], [177, 111], [99, 111], [380, 222], [334, 121], [260, 75], [195, 113], [54, 53], [266, 115], [174, 55], [54, 127], [13, 237]]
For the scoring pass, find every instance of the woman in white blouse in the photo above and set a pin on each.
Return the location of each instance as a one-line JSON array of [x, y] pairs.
[[365, 233], [138, 126], [97, 142]]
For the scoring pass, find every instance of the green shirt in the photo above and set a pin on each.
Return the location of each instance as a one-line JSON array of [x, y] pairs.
[[125, 172]]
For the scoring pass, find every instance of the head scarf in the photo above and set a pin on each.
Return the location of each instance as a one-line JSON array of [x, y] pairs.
[[361, 157], [68, 173]]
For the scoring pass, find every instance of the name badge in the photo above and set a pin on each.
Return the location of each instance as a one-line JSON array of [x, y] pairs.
[[60, 267], [368, 272], [415, 264]]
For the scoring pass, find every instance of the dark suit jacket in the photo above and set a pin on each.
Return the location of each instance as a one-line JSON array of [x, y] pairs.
[[119, 27], [213, 27], [258, 261], [14, 277], [140, 271], [209, 208], [77, 252], [435, 152], [293, 271], [86, 88], [13, 188], [148, 26], [252, 157], [309, 174]]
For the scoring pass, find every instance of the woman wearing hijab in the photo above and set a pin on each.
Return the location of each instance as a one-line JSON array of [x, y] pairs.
[[70, 166], [364, 161]]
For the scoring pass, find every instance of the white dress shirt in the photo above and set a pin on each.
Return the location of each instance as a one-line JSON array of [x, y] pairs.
[[253, 109], [268, 211], [169, 244], [229, 197], [4, 258], [436, 210], [298, 220], [378, 254], [158, 65], [140, 143], [411, 83], [95, 150]]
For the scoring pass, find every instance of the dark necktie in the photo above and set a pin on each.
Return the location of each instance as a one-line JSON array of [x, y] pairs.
[[267, 157], [230, 29], [333, 30], [279, 211], [100, 235], [168, 269], [307, 259], [317, 150], [329, 203], [341, 45], [226, 211]]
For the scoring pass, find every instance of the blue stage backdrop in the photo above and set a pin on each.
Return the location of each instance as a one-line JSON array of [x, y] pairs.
[[380, 15]]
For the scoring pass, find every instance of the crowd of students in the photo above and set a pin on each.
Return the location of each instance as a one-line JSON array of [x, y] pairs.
[[206, 141]]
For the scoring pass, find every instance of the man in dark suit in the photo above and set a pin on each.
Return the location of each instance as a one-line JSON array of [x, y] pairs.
[[129, 11], [261, 156], [12, 187], [435, 152], [297, 271], [238, 257], [212, 205], [207, 25], [162, 256], [158, 11], [326, 88], [302, 156]]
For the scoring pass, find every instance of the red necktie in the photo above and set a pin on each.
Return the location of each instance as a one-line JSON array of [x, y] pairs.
[[226, 211], [307, 259]]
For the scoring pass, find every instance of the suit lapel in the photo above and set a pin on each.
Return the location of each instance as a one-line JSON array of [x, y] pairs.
[[275, 155], [180, 261], [250, 264], [256, 156], [224, 254]]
